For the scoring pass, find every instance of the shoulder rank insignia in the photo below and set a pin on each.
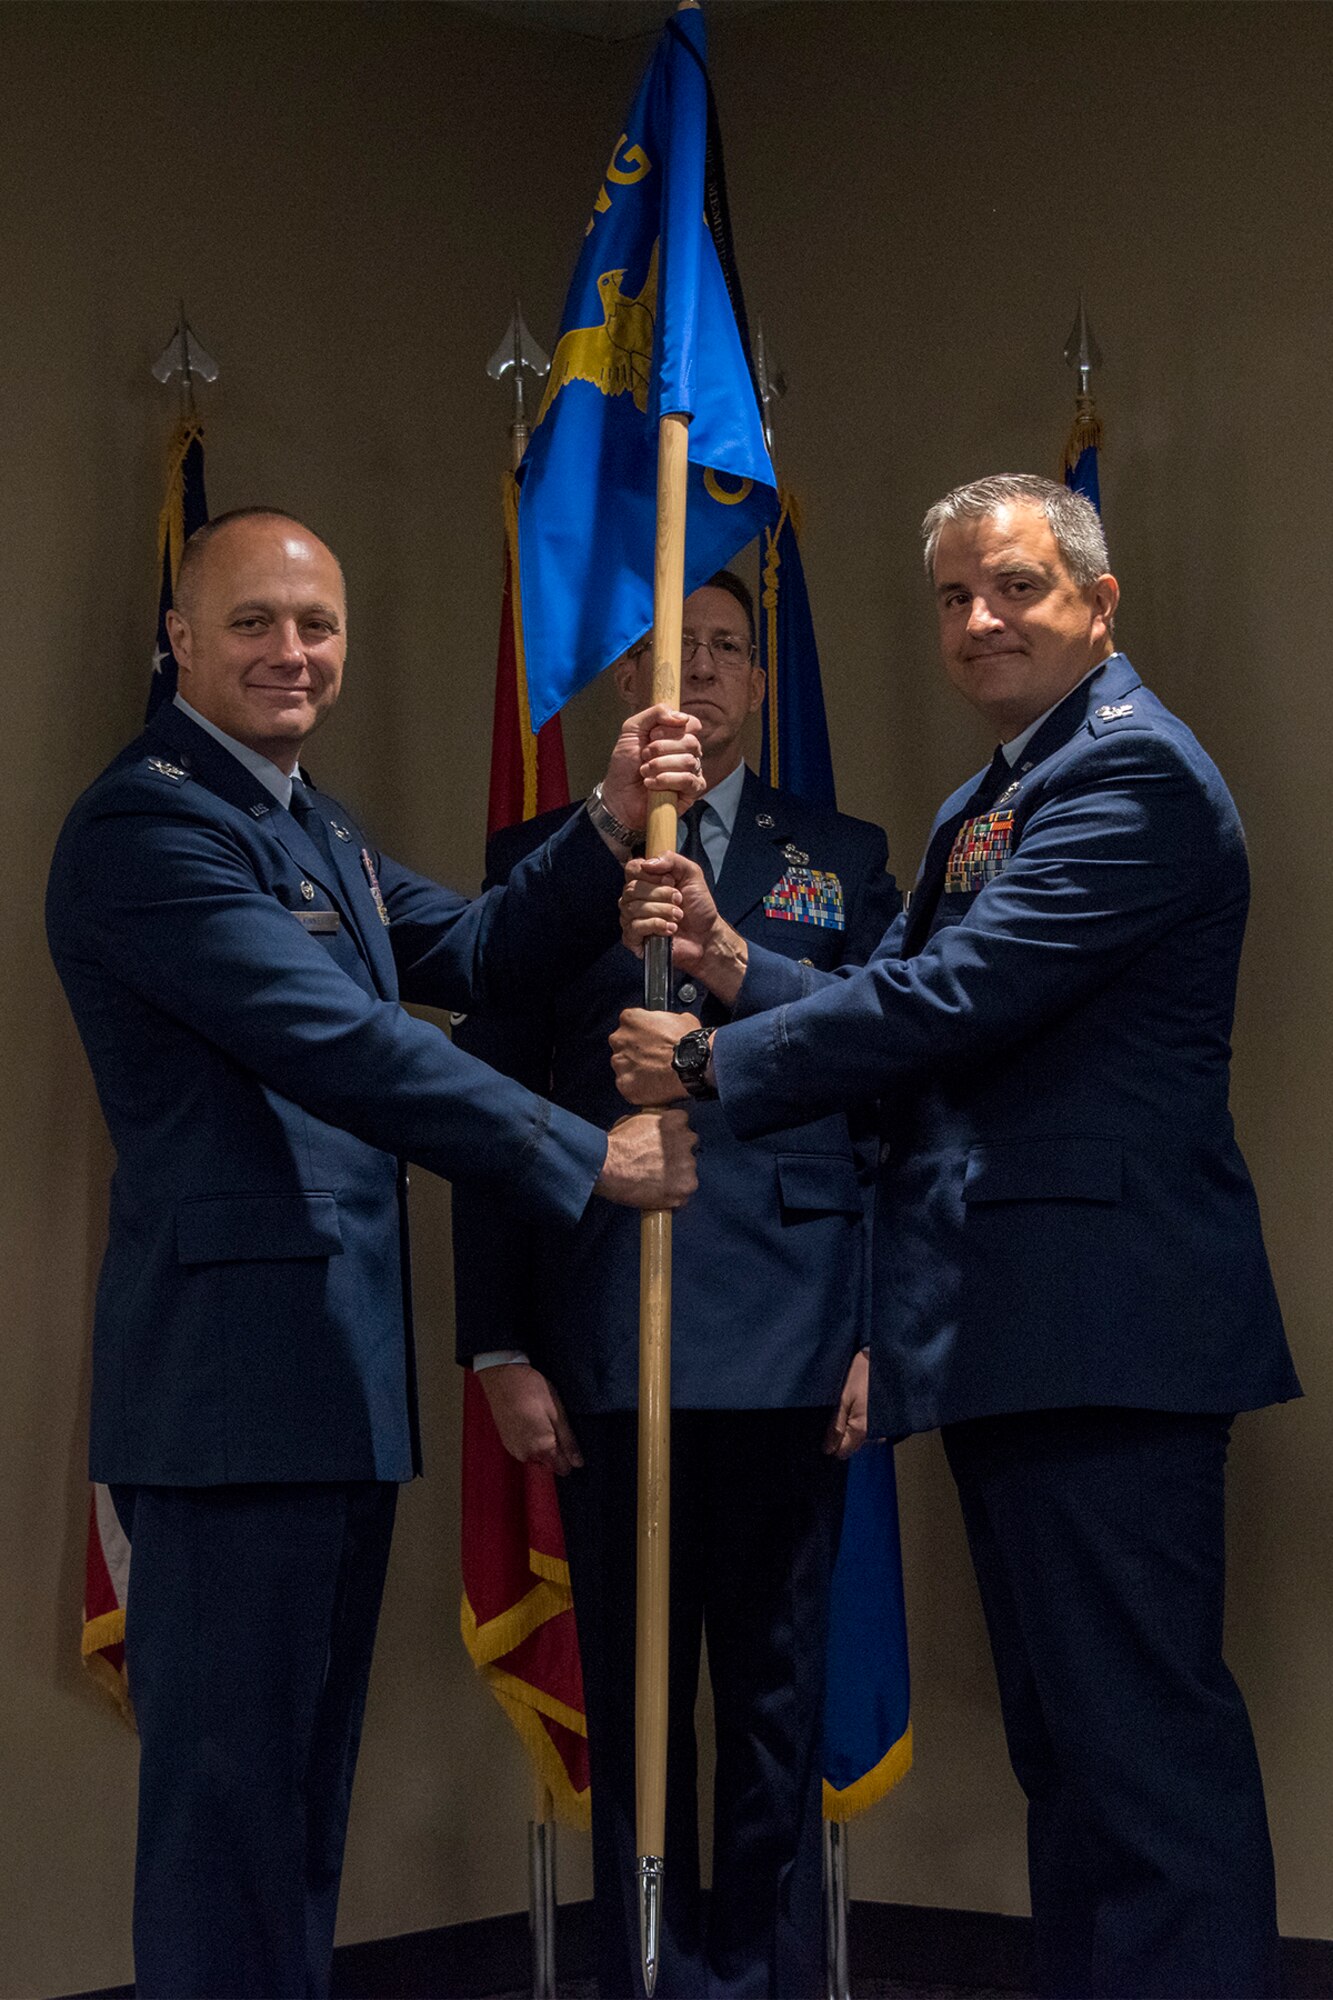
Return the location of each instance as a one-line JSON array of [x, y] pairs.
[[807, 896], [980, 850], [176, 772], [1114, 712]]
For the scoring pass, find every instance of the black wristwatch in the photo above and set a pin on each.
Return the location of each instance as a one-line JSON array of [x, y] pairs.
[[690, 1059]]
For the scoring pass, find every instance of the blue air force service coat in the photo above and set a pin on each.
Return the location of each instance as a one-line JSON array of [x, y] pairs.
[[768, 1263], [238, 996], [1064, 1217]]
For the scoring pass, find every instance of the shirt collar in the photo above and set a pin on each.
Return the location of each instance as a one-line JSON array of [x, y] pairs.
[[1014, 749], [259, 766], [725, 797]]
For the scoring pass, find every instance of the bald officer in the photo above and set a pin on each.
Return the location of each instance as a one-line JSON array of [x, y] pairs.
[[235, 951]]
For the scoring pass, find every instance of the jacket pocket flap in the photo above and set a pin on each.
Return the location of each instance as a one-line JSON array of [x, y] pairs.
[[1045, 1170], [244, 1228], [819, 1181]]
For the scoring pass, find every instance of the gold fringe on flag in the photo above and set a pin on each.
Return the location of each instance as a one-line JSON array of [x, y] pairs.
[[527, 740], [522, 1701], [171, 521], [872, 1786], [1085, 433], [769, 602]]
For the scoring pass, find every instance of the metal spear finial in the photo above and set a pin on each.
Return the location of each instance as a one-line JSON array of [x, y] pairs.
[[184, 356], [1081, 349], [517, 352], [772, 382]]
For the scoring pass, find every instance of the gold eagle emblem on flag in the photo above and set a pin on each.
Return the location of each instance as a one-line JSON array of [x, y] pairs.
[[616, 357]]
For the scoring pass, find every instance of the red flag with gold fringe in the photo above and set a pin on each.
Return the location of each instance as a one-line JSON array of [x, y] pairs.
[[107, 1564], [517, 1613]]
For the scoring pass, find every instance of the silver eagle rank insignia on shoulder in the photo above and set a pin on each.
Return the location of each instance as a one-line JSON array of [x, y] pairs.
[[176, 773]]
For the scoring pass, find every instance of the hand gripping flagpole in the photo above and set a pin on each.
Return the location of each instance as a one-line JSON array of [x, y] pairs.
[[654, 1533]]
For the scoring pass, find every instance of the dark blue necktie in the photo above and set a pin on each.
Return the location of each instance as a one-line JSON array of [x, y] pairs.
[[309, 817], [693, 844], [997, 775]]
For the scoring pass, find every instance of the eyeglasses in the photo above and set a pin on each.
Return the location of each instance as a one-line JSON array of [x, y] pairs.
[[724, 649]]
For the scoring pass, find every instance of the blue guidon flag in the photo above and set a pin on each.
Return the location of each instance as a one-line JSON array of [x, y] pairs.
[[1082, 474], [654, 324], [867, 1696]]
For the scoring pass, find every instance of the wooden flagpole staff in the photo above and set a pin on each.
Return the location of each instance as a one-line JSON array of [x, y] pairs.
[[654, 1527]]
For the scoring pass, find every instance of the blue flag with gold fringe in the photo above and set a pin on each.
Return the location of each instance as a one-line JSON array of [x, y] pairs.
[[1082, 473], [867, 1725], [184, 508], [867, 1730], [654, 324]]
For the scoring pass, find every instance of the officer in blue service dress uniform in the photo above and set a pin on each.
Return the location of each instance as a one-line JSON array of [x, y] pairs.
[[235, 950], [1070, 1279], [767, 1322]]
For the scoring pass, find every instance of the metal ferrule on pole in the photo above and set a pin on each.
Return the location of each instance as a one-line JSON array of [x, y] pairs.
[[541, 1906], [835, 1911], [652, 1868]]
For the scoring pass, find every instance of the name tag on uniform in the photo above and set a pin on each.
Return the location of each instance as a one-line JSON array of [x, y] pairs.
[[319, 921], [980, 851], [807, 896]]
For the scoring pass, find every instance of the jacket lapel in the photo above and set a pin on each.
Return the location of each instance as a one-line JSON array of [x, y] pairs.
[[755, 858], [1113, 679], [926, 892], [213, 766], [353, 888]]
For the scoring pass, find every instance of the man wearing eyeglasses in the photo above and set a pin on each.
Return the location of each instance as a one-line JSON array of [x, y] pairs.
[[768, 1383]]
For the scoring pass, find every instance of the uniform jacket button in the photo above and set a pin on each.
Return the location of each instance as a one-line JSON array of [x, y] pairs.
[[687, 991]]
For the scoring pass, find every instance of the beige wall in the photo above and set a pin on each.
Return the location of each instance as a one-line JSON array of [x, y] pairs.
[[347, 197]]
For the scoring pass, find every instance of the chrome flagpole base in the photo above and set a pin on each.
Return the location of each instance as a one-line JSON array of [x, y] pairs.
[[652, 1868], [835, 1910], [541, 1906]]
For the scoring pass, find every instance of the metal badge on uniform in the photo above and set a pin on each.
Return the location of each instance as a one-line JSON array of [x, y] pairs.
[[807, 896], [374, 882], [796, 855], [308, 891], [259, 811], [980, 851], [766, 820], [176, 772], [318, 921], [342, 832], [1114, 712], [1009, 791]]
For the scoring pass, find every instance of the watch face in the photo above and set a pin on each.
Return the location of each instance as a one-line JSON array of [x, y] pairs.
[[690, 1059]]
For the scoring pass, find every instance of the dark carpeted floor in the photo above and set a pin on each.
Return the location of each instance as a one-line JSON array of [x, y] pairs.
[[862, 1989]]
